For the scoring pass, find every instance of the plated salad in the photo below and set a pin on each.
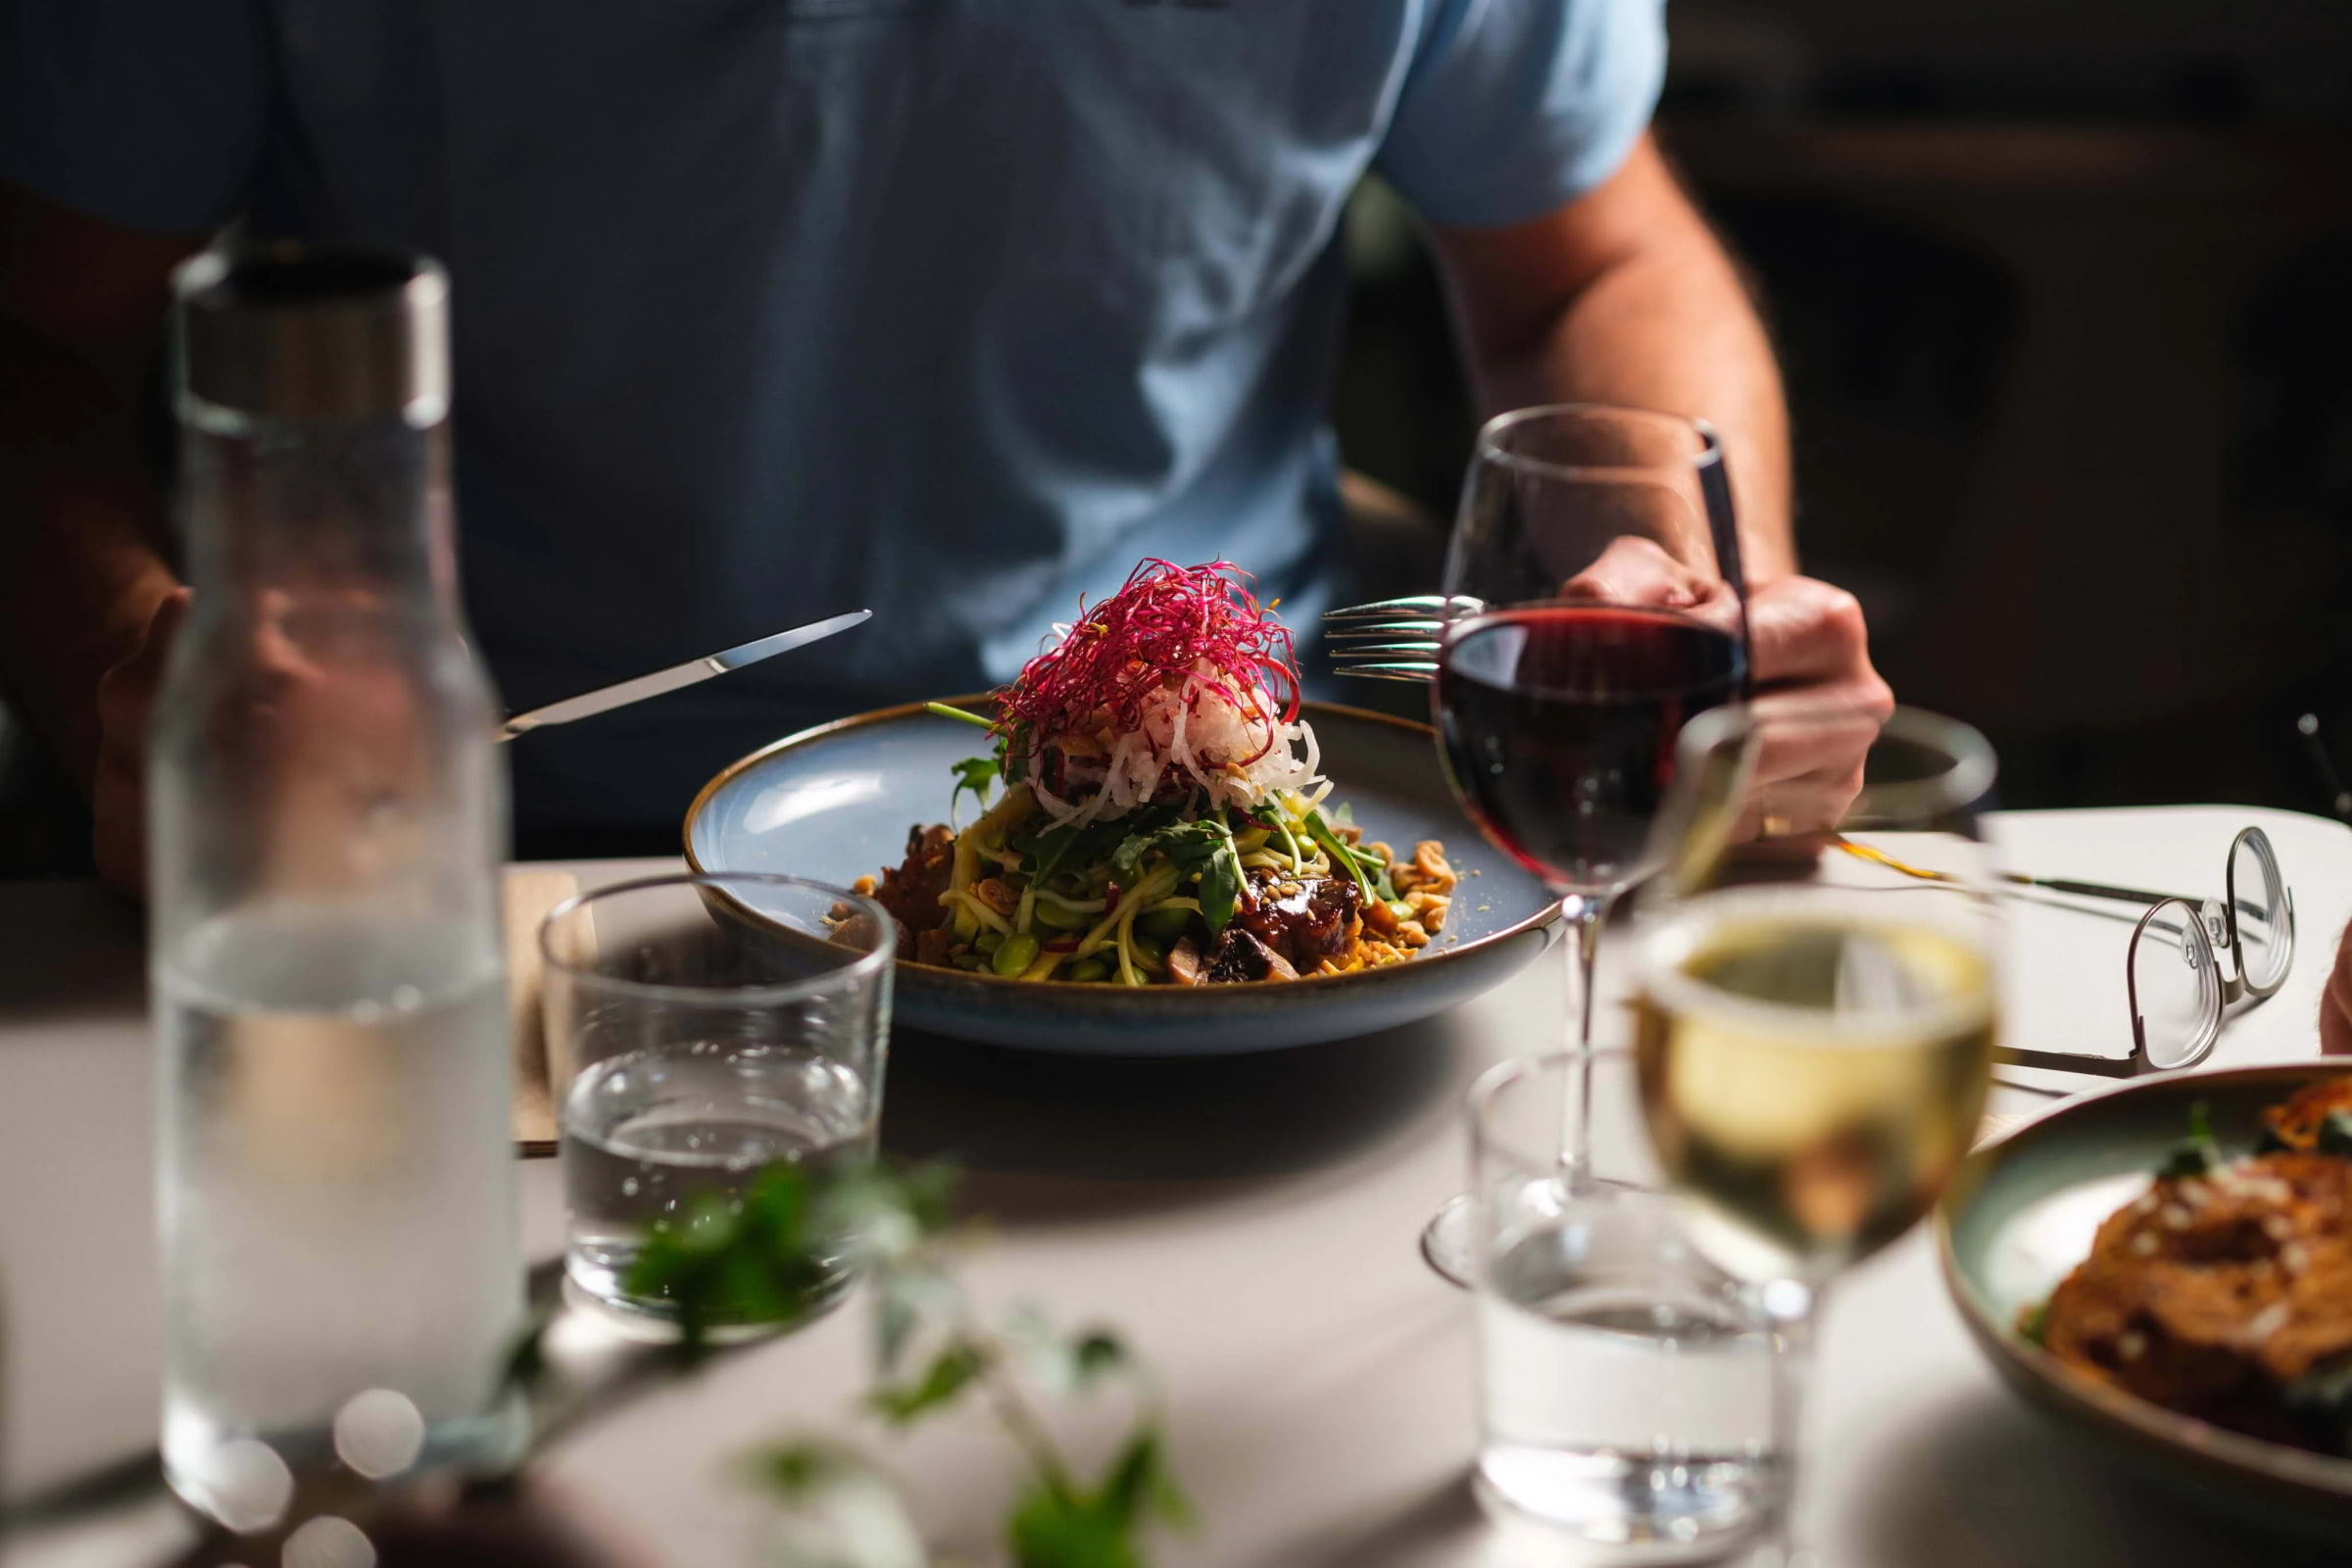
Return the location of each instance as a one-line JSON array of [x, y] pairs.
[[1152, 812]]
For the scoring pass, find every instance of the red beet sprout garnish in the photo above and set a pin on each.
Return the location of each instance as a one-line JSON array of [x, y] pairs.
[[1197, 624]]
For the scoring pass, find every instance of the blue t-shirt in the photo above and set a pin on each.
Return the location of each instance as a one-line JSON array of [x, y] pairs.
[[767, 309]]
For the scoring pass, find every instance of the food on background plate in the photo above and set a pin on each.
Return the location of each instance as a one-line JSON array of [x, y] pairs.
[[2224, 1292], [1152, 813]]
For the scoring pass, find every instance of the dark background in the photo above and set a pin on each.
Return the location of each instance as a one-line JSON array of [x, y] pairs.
[[2059, 292]]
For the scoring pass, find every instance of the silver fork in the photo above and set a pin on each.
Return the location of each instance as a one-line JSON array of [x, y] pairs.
[[1393, 639]]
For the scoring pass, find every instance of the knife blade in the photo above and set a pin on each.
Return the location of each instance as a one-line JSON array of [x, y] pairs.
[[637, 689]]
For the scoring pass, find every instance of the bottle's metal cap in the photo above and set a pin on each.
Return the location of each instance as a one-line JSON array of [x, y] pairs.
[[297, 332]]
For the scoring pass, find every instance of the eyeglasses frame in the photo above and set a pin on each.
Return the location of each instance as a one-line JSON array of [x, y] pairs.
[[2212, 924]]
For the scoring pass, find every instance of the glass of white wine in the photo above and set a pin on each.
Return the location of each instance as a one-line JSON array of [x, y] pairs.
[[1816, 1018]]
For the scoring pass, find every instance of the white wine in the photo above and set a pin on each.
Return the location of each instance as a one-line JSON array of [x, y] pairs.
[[1812, 1072]]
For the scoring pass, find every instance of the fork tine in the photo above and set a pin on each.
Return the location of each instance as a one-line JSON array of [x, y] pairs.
[[1348, 631], [1423, 604], [1396, 671], [1417, 649]]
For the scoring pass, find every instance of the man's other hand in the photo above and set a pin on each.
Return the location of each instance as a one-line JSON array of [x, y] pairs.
[[2335, 1004]]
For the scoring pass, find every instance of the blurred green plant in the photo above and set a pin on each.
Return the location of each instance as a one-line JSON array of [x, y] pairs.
[[775, 1259]]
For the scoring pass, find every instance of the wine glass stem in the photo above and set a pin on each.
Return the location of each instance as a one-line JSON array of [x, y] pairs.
[[1584, 912], [1793, 1308]]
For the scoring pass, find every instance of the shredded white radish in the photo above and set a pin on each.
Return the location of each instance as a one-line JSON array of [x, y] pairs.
[[1202, 736]]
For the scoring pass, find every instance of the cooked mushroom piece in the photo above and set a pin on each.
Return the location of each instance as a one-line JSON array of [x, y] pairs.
[[1240, 957], [1183, 962]]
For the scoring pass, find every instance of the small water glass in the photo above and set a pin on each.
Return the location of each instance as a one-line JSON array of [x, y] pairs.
[[716, 1025], [1625, 1384]]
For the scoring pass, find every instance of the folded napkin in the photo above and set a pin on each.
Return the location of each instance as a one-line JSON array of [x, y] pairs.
[[539, 1066]]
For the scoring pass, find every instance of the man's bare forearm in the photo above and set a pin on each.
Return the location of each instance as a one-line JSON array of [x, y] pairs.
[[1672, 328], [81, 573], [1623, 296]]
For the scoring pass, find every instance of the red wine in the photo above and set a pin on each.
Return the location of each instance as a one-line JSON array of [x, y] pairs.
[[1560, 724]]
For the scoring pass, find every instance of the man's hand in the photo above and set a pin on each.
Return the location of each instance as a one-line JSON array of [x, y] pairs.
[[1819, 703], [2335, 1004], [118, 788]]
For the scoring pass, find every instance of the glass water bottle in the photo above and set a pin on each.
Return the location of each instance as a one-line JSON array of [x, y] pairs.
[[326, 819]]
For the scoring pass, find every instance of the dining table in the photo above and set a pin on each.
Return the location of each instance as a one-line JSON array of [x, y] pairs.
[[1246, 1222]]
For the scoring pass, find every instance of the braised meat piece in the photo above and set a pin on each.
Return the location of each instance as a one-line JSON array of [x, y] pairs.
[[911, 893], [2300, 1122], [2212, 1295], [1239, 955], [1304, 919]]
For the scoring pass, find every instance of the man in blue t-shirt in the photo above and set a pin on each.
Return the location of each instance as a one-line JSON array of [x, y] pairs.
[[766, 309]]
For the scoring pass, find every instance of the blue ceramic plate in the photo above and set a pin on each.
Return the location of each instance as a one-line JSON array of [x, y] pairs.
[[2021, 1215], [834, 804]]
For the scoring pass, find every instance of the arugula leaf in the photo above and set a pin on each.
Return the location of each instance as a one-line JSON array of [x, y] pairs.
[[1221, 887], [1069, 846], [975, 774], [956, 1368], [1320, 831], [1206, 846], [1186, 843]]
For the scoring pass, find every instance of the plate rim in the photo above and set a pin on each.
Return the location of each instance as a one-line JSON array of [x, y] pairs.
[[2168, 1434], [1010, 986]]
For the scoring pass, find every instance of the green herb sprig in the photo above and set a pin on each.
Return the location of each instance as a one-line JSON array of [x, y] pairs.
[[777, 1258]]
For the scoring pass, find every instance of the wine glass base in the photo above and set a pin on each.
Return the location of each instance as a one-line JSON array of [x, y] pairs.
[[1450, 1241]]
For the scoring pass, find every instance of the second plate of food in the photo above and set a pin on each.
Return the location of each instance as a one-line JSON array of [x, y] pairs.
[[2191, 1326], [837, 803]]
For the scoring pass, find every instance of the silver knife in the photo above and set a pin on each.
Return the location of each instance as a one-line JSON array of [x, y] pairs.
[[604, 699]]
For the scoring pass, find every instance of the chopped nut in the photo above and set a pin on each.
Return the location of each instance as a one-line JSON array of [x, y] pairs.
[[1436, 872], [864, 885], [1431, 907]]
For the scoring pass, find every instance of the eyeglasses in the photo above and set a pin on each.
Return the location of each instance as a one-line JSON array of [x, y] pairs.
[[2174, 982]]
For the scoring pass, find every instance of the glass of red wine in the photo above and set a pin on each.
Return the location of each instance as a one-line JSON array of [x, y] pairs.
[[1594, 605]]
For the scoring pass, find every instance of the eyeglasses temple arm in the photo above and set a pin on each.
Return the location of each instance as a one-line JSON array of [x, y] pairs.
[[2094, 889], [2063, 1061]]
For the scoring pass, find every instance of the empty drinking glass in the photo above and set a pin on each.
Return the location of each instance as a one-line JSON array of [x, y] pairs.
[[1625, 1384], [717, 1024]]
